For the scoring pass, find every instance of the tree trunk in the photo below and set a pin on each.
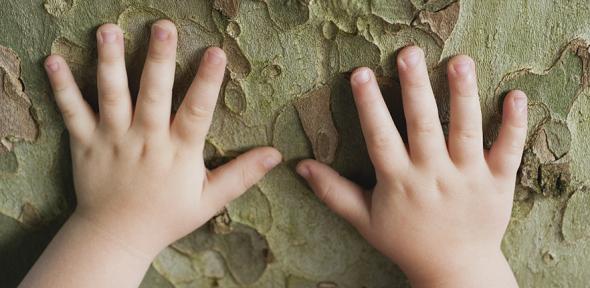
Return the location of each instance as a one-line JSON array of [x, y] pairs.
[[287, 86]]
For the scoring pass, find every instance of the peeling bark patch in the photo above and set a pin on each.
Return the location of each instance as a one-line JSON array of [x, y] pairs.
[[229, 8], [582, 49], [238, 65], [16, 121], [541, 172], [233, 29], [245, 252], [58, 8], [288, 135], [287, 14], [316, 116], [575, 225], [441, 22], [221, 223], [559, 138], [560, 85], [252, 209], [30, 215], [234, 97]]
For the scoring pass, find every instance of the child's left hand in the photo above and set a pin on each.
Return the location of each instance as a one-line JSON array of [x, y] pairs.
[[140, 179]]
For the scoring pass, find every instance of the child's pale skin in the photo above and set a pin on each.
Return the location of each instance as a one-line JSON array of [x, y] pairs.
[[439, 209]]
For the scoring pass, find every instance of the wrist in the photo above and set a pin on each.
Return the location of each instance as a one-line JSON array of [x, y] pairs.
[[465, 270], [135, 239]]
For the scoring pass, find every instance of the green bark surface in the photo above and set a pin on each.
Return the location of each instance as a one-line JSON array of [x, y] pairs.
[[287, 86]]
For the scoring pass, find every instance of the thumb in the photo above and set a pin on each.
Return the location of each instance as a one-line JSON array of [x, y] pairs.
[[231, 180], [340, 194]]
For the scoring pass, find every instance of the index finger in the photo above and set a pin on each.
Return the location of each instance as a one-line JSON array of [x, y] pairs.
[[385, 145]]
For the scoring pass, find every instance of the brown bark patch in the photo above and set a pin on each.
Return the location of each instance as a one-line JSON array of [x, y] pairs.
[[16, 121], [316, 117], [441, 22], [229, 8], [58, 8]]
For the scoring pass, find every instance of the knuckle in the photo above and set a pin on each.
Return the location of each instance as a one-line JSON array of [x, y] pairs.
[[514, 147], [381, 140], [466, 135], [198, 112], [246, 178], [417, 84], [159, 55], [151, 97], [110, 99], [423, 126], [68, 112], [61, 88], [325, 192], [111, 59]]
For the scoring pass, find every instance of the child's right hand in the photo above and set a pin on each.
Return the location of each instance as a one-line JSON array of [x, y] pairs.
[[439, 210]]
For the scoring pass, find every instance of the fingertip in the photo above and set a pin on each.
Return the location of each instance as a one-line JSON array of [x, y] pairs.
[[215, 56], [461, 66], [409, 57], [516, 103], [519, 99], [361, 76], [272, 157], [53, 63], [108, 33], [304, 168], [166, 24], [164, 29]]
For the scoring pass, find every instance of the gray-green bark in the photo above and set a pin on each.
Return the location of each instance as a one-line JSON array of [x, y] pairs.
[[287, 86]]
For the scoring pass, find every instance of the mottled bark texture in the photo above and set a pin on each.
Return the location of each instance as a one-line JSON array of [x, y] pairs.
[[287, 86]]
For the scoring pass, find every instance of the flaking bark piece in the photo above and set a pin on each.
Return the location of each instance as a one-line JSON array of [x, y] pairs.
[[229, 8], [441, 22], [316, 117], [16, 121]]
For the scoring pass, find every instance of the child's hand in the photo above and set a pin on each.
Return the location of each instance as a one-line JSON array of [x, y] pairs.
[[138, 174], [439, 210], [139, 177]]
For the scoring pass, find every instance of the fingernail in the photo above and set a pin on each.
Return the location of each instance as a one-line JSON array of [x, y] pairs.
[[52, 67], [520, 102], [412, 57], [463, 68], [361, 76], [161, 33], [108, 37], [214, 57], [303, 171], [270, 162]]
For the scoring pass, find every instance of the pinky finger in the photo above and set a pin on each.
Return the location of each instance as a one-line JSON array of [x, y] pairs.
[[78, 116], [506, 153]]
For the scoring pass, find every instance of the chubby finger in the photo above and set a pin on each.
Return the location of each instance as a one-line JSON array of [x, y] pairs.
[[465, 131], [340, 194], [78, 116], [231, 180], [385, 145], [506, 153], [154, 101], [113, 90], [194, 116], [425, 136]]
